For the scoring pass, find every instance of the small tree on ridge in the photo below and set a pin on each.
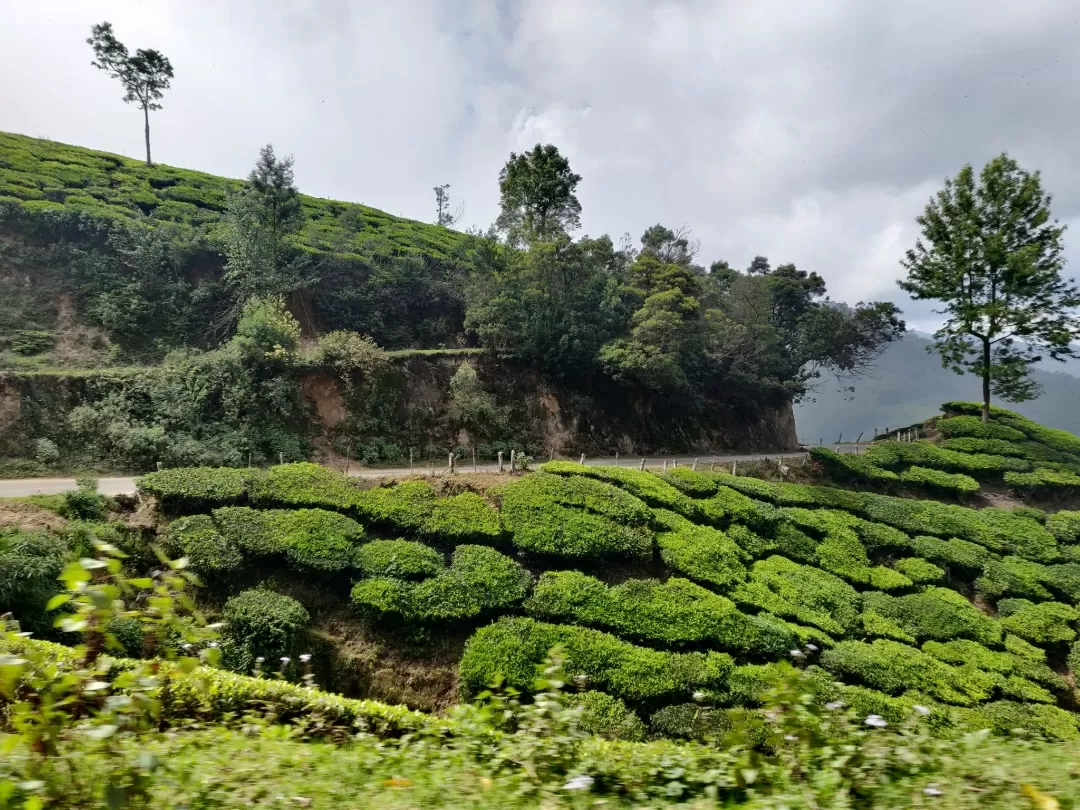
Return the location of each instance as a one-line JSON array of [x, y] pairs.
[[991, 254]]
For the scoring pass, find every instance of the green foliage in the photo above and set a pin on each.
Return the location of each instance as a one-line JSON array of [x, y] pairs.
[[676, 612], [207, 551], [690, 721], [310, 539], [856, 469], [924, 454], [1043, 623], [536, 195], [264, 624], [647, 486], [30, 563], [992, 447], [956, 553], [935, 613], [46, 452], [463, 517], [894, 668], [973, 427], [606, 716], [937, 481], [1065, 526], [479, 579], [512, 647], [1006, 717], [919, 570], [304, 485], [29, 342], [84, 502], [1044, 482], [575, 517], [701, 553], [1013, 575], [807, 595], [399, 559]]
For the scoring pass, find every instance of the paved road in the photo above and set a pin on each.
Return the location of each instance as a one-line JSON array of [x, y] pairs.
[[19, 487]]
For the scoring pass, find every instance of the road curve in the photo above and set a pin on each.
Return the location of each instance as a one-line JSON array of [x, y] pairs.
[[21, 487]]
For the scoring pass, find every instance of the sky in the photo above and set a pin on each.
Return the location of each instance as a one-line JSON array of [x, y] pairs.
[[808, 132]]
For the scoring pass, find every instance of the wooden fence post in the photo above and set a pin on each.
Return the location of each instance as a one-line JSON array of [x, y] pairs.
[[500, 461], [512, 455], [616, 458], [642, 467], [451, 463], [665, 465], [582, 462], [694, 468], [474, 459], [281, 458], [410, 461], [712, 464]]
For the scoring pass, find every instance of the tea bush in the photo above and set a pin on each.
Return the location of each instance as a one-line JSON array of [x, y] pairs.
[[462, 518], [941, 482], [479, 579], [993, 447], [808, 595], [30, 562], [877, 626], [675, 612], [313, 539], [194, 489], [974, 427], [606, 716], [924, 454], [693, 483], [511, 648], [935, 613], [1043, 482], [919, 570], [405, 507], [1015, 576], [304, 485], [956, 553], [1043, 623], [262, 623], [728, 506], [702, 553], [690, 721], [208, 552], [1065, 526], [1006, 717], [650, 488], [856, 469], [400, 559]]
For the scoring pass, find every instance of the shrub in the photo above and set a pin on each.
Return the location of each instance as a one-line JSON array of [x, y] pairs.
[[479, 579], [1065, 579], [935, 613], [799, 592], [974, 427], [309, 538], [925, 454], [877, 626], [207, 551], [83, 503], [606, 716], [1044, 623], [962, 652], [877, 536], [993, 447], [937, 481], [894, 668], [1022, 689], [690, 721], [30, 563], [1024, 649], [675, 612], [919, 570], [648, 487], [1065, 526], [46, 452], [513, 647], [194, 489], [575, 517], [400, 559], [461, 518], [694, 484], [1030, 512], [263, 623], [127, 635], [1043, 482], [702, 553], [857, 469], [1005, 717], [956, 553], [31, 341], [1013, 575], [304, 485]]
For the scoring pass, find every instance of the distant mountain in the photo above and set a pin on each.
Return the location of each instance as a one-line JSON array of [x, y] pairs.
[[909, 385]]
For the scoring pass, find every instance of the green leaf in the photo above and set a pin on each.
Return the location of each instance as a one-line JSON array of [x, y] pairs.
[[58, 601], [141, 582]]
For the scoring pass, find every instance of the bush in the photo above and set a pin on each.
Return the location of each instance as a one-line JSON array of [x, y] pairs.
[[305, 485], [479, 579], [1013, 575], [956, 553], [877, 626], [207, 551], [512, 648], [729, 505], [675, 612], [925, 454], [30, 563], [1044, 623], [1043, 483], [935, 613], [1006, 717], [406, 507], [648, 487], [993, 447], [894, 668], [84, 503], [575, 517], [694, 484], [919, 570], [702, 553], [937, 481], [263, 623], [312, 539], [400, 559], [194, 489], [606, 716], [462, 518], [856, 469], [799, 592], [29, 342], [1065, 526], [974, 427], [46, 452], [127, 635], [690, 721]]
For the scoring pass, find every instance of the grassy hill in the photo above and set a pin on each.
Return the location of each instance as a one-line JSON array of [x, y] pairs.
[[926, 588], [40, 176]]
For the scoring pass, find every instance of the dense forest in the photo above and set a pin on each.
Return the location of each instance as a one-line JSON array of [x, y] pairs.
[[226, 289]]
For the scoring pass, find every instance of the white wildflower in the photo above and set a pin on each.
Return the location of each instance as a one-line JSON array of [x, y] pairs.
[[797, 654], [834, 705], [921, 710], [791, 738], [699, 696], [305, 657], [582, 782], [812, 647], [932, 790], [876, 721], [285, 660]]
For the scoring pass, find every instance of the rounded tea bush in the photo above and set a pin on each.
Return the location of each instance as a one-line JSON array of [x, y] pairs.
[[265, 623], [403, 559]]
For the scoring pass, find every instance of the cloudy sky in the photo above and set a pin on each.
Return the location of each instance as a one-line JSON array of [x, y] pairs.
[[810, 132]]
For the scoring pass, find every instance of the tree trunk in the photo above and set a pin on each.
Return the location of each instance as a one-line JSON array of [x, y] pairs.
[[146, 117], [986, 380]]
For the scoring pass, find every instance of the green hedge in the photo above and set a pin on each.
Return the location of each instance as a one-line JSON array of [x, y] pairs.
[[935, 613], [690, 721], [974, 427], [606, 716], [701, 553], [955, 553], [1043, 623], [312, 539], [941, 482], [1065, 526], [963, 652], [575, 517], [479, 579], [261, 623], [993, 447], [1006, 717], [675, 612], [693, 483], [405, 507], [877, 626], [648, 487], [512, 648], [841, 552], [894, 668], [895, 455], [919, 570], [305, 485], [1014, 576], [208, 552], [1043, 482], [193, 489], [401, 559], [807, 595], [462, 518], [730, 506], [853, 468]]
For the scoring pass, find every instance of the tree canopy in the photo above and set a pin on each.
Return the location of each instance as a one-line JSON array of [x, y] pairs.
[[990, 253], [537, 196]]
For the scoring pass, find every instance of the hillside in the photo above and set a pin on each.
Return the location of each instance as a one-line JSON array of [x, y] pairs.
[[908, 382], [677, 602]]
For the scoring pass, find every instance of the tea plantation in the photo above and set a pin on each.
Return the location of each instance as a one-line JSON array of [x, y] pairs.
[[675, 603]]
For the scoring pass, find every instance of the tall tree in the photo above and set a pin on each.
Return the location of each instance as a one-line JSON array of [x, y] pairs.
[[261, 259], [536, 194], [145, 76], [443, 215], [991, 254]]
